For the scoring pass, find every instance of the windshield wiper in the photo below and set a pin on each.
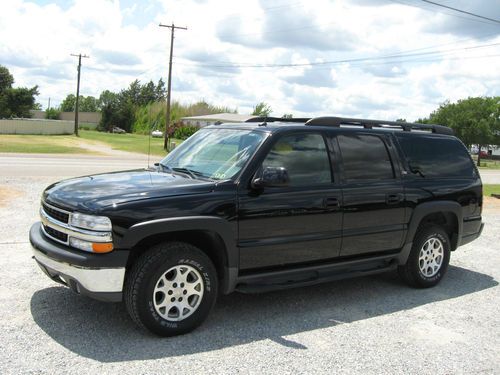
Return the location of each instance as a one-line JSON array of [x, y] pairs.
[[187, 171], [190, 172]]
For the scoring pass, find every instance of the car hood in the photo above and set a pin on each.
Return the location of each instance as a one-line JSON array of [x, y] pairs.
[[92, 193]]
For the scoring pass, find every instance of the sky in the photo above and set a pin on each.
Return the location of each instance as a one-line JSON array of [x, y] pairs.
[[384, 59]]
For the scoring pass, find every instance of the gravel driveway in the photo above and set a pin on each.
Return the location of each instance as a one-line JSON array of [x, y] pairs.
[[371, 325]]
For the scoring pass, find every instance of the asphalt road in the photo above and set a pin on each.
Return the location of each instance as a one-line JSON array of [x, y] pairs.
[[39, 165], [78, 165], [373, 325], [490, 176]]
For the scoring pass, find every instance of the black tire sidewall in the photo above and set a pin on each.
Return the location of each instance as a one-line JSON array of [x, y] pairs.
[[423, 236], [145, 305]]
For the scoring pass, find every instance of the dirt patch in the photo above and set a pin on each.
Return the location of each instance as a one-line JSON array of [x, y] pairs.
[[7, 195], [491, 203]]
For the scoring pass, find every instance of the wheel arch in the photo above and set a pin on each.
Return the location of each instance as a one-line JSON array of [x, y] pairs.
[[213, 235], [447, 214]]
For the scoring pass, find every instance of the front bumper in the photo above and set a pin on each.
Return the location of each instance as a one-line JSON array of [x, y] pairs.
[[99, 276]]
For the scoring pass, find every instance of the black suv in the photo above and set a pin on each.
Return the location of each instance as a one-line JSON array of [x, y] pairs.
[[262, 206]]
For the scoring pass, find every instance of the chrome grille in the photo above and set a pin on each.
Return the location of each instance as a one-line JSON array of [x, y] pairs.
[[56, 213], [60, 231], [55, 234]]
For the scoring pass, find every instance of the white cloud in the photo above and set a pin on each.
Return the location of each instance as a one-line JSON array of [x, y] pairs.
[[124, 43]]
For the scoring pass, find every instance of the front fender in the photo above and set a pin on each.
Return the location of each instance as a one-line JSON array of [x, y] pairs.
[[221, 227]]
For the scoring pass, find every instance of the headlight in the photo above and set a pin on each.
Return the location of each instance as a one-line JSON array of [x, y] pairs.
[[99, 223]]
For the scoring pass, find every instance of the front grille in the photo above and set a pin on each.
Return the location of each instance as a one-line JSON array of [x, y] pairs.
[[55, 234], [55, 213]]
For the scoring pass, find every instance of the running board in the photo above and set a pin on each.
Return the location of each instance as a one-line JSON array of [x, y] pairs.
[[301, 278]]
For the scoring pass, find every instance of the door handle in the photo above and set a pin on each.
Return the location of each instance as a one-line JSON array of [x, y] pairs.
[[331, 202], [393, 198]]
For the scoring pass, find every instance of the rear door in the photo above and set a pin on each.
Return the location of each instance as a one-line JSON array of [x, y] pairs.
[[373, 195]]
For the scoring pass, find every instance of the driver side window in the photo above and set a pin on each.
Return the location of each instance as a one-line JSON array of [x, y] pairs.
[[304, 156]]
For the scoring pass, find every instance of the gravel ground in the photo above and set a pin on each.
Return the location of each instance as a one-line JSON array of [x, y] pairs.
[[372, 325]]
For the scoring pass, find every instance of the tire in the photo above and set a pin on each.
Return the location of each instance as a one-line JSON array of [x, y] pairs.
[[171, 289], [428, 259]]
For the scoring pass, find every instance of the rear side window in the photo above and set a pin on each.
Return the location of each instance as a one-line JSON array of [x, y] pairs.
[[365, 157], [437, 156]]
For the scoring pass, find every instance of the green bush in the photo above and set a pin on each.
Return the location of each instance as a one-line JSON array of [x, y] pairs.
[[153, 116], [184, 132], [52, 114], [149, 117]]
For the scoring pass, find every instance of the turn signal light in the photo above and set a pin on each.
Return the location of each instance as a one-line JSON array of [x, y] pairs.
[[104, 247]]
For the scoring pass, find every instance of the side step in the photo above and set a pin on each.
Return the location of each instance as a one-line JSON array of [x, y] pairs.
[[260, 283]]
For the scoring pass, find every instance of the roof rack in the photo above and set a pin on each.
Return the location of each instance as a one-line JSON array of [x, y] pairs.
[[278, 119], [369, 124]]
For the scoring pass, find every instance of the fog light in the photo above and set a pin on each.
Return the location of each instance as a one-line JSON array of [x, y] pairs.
[[91, 247]]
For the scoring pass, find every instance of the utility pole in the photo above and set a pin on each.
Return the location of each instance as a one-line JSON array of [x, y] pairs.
[[169, 84], [78, 89]]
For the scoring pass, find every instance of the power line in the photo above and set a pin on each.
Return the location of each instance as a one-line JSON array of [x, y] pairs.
[[265, 10], [275, 31], [332, 62], [433, 9], [462, 11], [78, 88], [285, 30]]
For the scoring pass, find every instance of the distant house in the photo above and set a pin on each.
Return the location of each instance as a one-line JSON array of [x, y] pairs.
[[206, 120]]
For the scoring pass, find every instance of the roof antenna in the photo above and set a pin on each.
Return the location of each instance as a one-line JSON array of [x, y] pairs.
[[150, 131]]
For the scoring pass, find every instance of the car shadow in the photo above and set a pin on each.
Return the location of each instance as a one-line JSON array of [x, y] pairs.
[[104, 332]]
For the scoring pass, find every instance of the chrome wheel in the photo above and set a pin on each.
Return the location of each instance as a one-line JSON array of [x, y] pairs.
[[431, 257], [178, 293]]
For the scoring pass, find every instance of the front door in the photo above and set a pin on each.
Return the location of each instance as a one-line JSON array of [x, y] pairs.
[[298, 223]]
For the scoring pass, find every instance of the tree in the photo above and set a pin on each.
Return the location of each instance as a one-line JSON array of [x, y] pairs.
[[52, 114], [287, 116], [120, 109], [6, 79], [262, 109], [474, 120], [86, 104], [108, 103], [15, 102], [68, 104]]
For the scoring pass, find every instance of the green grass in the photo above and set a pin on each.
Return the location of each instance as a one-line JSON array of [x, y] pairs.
[[490, 164], [491, 189], [63, 144], [127, 142], [40, 144]]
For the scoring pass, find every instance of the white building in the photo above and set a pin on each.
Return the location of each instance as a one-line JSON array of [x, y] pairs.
[[206, 120]]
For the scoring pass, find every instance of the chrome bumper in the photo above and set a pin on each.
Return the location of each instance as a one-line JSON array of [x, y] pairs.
[[87, 281]]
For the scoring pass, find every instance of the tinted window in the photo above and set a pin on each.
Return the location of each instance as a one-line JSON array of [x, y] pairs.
[[304, 156], [437, 156], [365, 157]]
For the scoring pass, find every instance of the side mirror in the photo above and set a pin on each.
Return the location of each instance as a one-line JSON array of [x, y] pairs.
[[271, 177]]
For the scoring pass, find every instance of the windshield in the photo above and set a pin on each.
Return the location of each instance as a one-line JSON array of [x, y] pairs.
[[218, 154]]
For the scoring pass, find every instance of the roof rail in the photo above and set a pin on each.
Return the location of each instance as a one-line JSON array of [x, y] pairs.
[[278, 119], [369, 124]]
